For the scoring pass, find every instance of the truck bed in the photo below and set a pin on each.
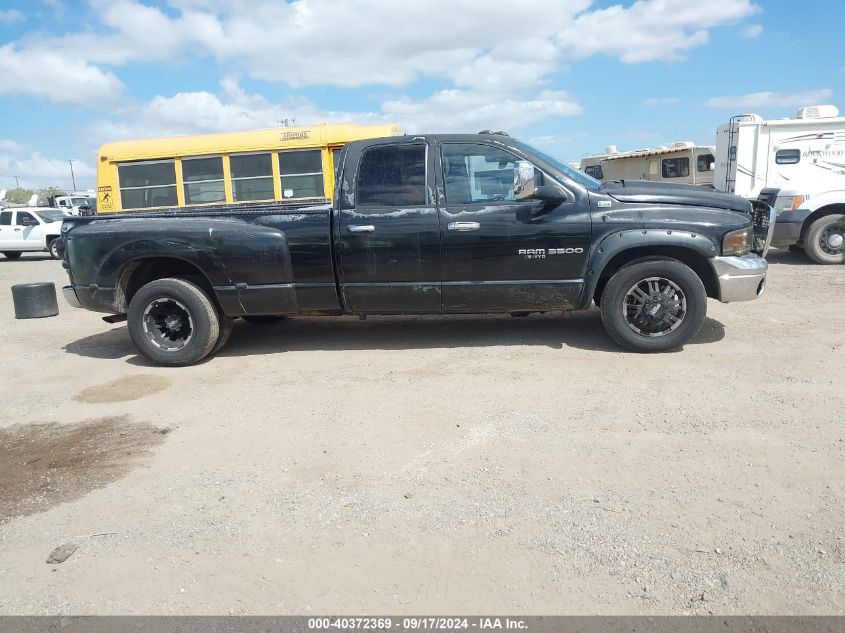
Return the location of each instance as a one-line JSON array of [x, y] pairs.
[[265, 258]]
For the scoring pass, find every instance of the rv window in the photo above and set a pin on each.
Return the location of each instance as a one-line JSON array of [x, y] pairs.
[[732, 153], [788, 156], [595, 171], [705, 162], [675, 167]]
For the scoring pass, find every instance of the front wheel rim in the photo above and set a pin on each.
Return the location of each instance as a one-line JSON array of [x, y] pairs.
[[654, 307], [832, 239], [167, 324]]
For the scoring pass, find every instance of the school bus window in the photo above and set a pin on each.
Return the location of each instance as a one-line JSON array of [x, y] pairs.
[[203, 180], [252, 177], [148, 184], [302, 173]]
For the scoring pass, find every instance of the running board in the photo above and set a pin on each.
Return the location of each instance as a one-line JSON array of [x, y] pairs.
[[115, 318]]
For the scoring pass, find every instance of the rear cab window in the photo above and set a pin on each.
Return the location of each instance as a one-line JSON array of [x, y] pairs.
[[392, 176], [5, 218]]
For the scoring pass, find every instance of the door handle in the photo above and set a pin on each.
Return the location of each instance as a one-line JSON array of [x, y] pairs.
[[464, 226], [361, 228], [18, 229]]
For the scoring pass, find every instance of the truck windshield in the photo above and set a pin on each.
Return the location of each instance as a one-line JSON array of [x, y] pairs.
[[581, 178], [51, 216]]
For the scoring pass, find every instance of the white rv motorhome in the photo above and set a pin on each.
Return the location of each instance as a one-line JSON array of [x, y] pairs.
[[680, 163], [797, 166]]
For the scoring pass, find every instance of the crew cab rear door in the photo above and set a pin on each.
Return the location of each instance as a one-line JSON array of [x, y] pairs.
[[501, 254], [387, 228]]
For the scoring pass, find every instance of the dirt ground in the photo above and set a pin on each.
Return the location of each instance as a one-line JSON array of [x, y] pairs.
[[423, 465]]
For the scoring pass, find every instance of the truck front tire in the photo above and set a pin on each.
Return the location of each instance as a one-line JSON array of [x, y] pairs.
[[654, 306], [825, 239], [173, 322], [53, 248]]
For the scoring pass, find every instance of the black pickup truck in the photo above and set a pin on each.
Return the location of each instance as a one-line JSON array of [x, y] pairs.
[[474, 223]]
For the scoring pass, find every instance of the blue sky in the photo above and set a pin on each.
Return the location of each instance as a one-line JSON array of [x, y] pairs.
[[569, 75]]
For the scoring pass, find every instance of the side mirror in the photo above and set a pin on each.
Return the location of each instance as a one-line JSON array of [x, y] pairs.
[[524, 183], [28, 222]]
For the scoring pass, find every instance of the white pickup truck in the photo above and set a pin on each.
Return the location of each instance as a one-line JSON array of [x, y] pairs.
[[28, 229]]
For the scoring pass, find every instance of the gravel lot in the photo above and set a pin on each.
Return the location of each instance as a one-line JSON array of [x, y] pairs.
[[422, 465]]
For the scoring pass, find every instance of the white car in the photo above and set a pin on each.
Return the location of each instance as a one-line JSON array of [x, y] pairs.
[[30, 229]]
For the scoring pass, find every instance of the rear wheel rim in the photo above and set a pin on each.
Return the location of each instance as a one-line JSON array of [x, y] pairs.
[[54, 249], [654, 307], [832, 239], [168, 324]]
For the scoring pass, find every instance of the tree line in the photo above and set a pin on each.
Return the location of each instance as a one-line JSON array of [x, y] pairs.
[[20, 195]]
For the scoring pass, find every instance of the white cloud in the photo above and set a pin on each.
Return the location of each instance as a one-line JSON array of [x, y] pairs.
[[466, 111], [56, 77], [498, 44], [8, 146], [233, 108], [752, 31], [10, 16], [761, 100], [35, 171], [650, 30], [653, 102]]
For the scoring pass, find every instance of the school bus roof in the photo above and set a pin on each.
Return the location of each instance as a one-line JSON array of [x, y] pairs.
[[246, 141]]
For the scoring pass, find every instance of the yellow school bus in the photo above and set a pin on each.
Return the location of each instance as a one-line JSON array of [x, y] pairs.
[[214, 169]]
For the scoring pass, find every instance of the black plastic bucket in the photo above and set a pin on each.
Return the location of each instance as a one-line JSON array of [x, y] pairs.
[[35, 300]]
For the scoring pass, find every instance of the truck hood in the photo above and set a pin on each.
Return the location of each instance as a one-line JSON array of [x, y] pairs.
[[645, 191]]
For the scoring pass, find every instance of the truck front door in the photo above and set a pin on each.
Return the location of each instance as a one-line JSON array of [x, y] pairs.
[[30, 233], [386, 226], [500, 254]]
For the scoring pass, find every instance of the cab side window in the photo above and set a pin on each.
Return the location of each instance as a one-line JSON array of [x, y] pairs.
[[26, 219], [392, 176], [5, 218], [475, 173]]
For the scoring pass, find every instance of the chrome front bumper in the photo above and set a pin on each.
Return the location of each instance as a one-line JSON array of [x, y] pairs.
[[70, 296], [740, 278]]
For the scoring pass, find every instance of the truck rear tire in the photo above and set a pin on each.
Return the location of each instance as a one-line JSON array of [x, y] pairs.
[[654, 306], [227, 324], [824, 241], [173, 322], [11, 254]]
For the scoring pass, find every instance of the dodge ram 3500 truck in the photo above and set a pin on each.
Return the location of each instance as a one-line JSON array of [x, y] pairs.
[[475, 223]]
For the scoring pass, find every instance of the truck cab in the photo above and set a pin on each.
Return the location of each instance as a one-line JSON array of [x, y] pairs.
[[28, 229], [426, 224]]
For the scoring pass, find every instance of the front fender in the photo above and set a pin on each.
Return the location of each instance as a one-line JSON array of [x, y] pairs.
[[620, 241], [826, 199]]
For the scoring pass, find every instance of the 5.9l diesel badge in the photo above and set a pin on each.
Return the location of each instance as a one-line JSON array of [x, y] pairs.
[[540, 253]]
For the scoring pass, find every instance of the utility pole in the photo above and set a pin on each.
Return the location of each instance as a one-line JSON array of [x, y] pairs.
[[17, 184], [72, 177]]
